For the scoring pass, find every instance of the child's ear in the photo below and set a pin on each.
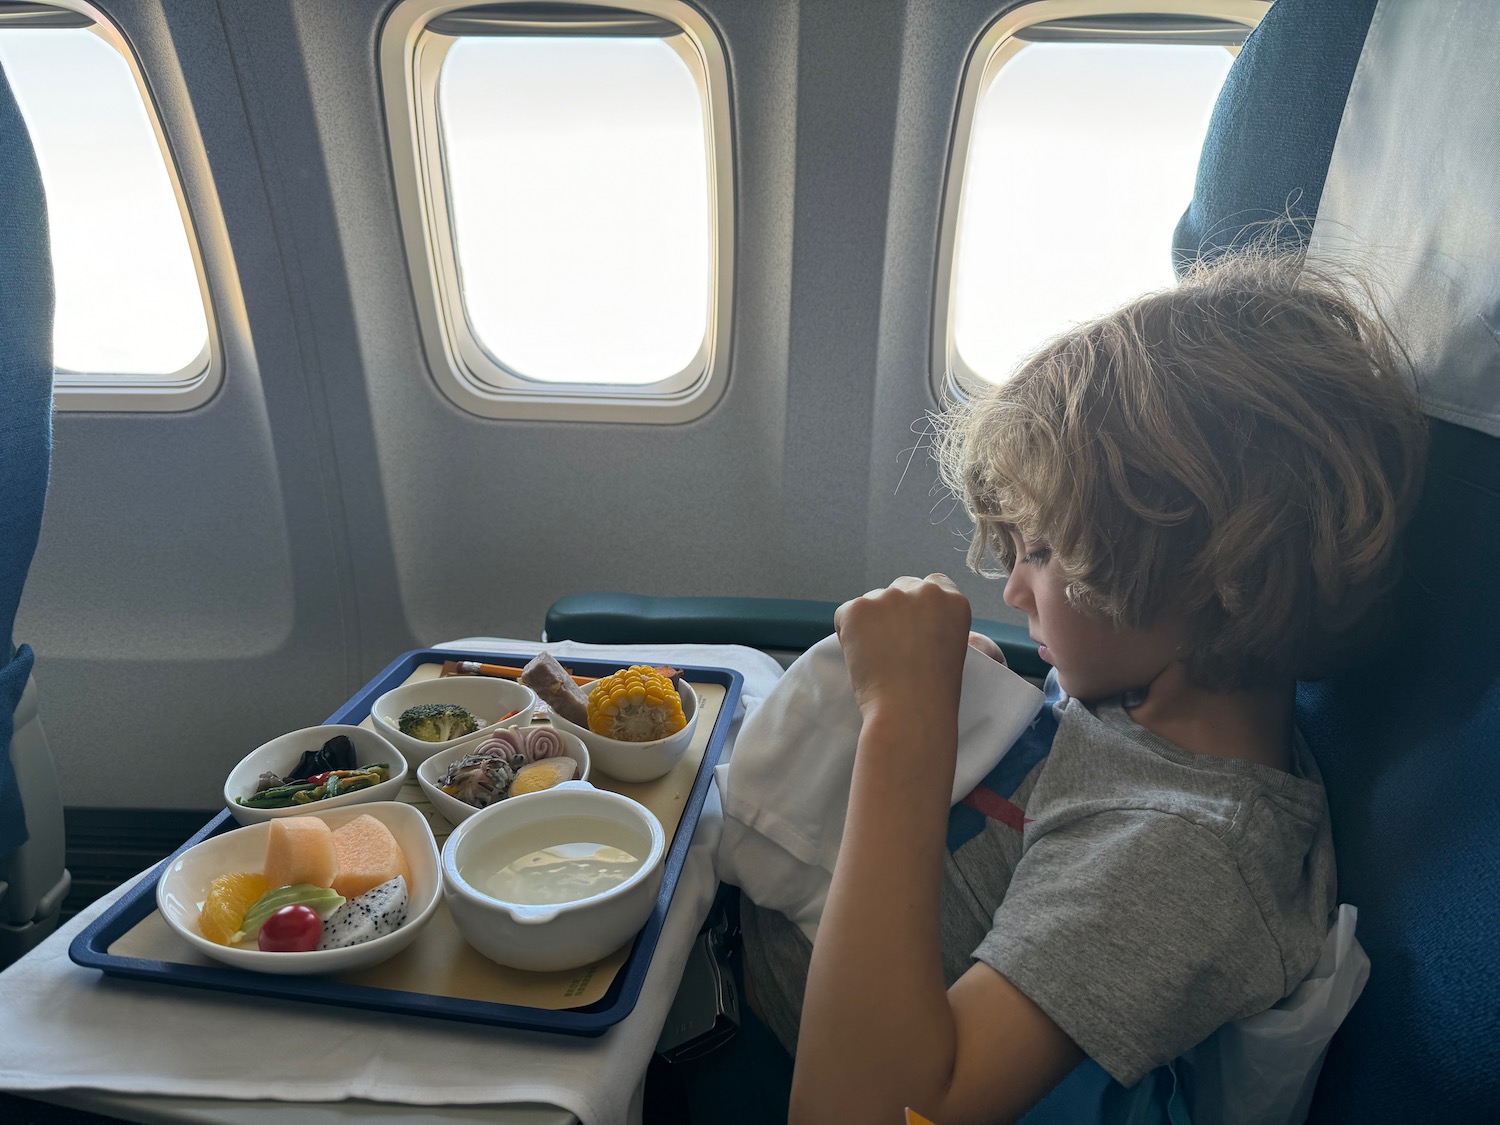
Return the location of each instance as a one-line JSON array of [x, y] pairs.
[[981, 643]]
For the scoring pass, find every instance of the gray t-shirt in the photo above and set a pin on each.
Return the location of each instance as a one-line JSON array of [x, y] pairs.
[[1141, 895]]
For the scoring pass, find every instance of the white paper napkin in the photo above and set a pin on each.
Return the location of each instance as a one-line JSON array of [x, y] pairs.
[[786, 790]]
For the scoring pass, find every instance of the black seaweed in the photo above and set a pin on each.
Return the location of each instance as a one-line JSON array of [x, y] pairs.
[[336, 754]]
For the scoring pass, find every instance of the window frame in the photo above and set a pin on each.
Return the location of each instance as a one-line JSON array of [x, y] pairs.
[[196, 383], [950, 378], [410, 63]]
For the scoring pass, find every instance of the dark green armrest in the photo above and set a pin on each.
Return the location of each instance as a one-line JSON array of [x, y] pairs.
[[775, 623]]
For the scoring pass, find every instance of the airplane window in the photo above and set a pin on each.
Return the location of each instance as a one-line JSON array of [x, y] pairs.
[[128, 298], [572, 162], [1080, 160], [578, 181]]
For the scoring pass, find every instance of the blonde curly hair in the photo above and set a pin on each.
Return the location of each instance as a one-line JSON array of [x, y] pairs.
[[1242, 450]]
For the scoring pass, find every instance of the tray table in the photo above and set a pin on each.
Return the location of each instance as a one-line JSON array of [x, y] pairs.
[[440, 975]]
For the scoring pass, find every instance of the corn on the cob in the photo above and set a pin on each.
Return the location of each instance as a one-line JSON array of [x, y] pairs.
[[636, 705]]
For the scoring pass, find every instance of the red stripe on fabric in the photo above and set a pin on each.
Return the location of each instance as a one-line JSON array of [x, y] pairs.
[[996, 807]]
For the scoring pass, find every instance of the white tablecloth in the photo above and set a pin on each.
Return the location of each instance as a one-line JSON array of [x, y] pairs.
[[63, 1027]]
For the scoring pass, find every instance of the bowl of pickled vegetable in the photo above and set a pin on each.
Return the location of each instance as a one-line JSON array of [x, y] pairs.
[[315, 768]]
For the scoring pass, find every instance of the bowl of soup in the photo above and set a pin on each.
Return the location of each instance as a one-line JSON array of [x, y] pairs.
[[554, 880]]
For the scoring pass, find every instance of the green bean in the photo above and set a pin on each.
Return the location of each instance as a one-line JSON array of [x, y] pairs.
[[305, 793], [277, 798]]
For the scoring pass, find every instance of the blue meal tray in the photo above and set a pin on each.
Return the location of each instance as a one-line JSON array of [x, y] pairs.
[[91, 947]]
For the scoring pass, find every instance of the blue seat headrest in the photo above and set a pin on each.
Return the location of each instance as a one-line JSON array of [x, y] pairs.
[[1273, 128]]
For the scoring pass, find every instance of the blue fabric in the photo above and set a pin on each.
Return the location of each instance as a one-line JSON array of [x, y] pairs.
[[25, 413], [1410, 751], [12, 814], [1272, 131], [1034, 744]]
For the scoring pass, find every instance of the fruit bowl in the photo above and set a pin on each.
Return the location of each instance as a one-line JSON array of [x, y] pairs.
[[184, 886]]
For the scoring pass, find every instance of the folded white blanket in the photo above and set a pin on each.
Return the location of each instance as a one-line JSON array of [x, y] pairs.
[[786, 789]]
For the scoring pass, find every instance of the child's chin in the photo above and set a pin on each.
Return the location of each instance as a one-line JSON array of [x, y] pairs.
[[1084, 689]]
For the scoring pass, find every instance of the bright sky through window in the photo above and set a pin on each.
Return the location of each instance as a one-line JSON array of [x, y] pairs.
[[1081, 162], [128, 301], [577, 175]]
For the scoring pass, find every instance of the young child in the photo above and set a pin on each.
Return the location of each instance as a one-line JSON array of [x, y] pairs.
[[1196, 499]]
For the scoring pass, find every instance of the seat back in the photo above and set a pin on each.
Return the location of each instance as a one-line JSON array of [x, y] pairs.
[[1409, 746], [1407, 741], [1410, 743], [32, 878]]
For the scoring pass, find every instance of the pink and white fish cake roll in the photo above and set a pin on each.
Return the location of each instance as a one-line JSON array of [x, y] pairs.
[[542, 743], [532, 743]]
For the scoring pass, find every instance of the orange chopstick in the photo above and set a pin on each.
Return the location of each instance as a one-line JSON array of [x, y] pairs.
[[499, 671]]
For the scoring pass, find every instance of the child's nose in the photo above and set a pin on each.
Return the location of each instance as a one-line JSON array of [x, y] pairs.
[[1016, 594]]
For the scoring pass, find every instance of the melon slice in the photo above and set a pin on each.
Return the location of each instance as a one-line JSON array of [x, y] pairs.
[[368, 855], [300, 849]]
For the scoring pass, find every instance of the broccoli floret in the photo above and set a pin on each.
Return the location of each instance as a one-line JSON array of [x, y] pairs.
[[436, 722]]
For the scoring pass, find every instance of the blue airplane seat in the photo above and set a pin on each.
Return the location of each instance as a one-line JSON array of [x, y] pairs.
[[33, 880], [1408, 743], [1407, 740]]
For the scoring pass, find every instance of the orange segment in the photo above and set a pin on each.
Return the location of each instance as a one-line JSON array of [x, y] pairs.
[[229, 896]]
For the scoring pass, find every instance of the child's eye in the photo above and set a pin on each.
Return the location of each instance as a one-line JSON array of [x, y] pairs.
[[1037, 556]]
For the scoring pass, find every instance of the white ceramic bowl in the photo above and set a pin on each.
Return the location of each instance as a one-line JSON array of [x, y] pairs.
[[483, 697], [565, 935], [637, 761], [282, 754], [454, 811], [183, 887]]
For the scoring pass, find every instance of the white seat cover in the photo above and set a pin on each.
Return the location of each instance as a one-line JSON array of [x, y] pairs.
[[1412, 200]]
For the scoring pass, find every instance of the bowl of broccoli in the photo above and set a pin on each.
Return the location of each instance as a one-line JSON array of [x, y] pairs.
[[423, 718]]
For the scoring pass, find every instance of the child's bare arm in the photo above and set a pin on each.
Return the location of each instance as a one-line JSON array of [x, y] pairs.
[[879, 1029]]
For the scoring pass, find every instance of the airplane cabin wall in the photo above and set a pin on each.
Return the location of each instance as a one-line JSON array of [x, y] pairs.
[[209, 579]]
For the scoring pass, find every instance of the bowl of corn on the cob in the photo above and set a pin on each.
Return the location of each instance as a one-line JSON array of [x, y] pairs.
[[635, 704]]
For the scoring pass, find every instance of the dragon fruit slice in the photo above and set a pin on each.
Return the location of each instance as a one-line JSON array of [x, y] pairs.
[[377, 912]]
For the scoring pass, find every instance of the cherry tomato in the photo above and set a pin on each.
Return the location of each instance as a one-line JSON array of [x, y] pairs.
[[292, 929]]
